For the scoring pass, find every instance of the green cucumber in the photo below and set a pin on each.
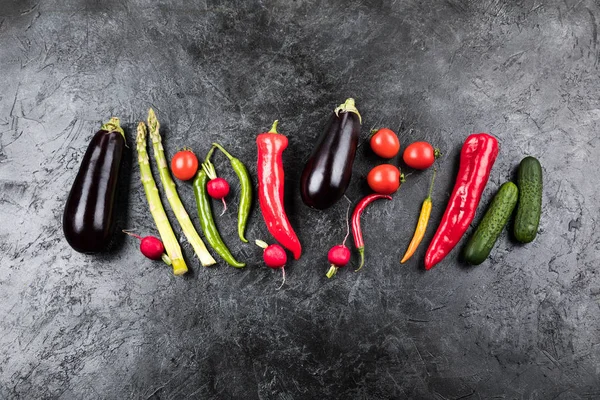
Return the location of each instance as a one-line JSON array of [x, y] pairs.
[[481, 243], [529, 180]]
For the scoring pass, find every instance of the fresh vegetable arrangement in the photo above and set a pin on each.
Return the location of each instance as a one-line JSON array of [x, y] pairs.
[[89, 215], [173, 198], [207, 221], [156, 208]]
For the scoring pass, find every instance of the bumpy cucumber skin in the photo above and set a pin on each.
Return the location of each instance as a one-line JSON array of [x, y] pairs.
[[529, 180], [481, 243]]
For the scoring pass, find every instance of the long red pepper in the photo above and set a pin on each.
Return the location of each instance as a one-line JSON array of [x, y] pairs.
[[356, 231], [476, 160], [270, 189]]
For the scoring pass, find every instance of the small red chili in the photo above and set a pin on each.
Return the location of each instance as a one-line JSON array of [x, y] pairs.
[[356, 231], [476, 160]]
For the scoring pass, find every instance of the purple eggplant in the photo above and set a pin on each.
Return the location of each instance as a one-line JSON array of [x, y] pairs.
[[89, 216], [327, 172]]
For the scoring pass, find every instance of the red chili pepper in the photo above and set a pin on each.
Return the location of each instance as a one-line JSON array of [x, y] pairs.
[[476, 160], [356, 231], [270, 189]]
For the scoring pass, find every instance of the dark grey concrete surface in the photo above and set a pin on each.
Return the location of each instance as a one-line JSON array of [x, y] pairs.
[[523, 325]]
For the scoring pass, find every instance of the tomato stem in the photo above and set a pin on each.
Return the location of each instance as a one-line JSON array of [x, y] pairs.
[[437, 153]]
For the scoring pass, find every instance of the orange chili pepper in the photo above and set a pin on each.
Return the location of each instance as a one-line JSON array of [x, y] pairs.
[[421, 225]]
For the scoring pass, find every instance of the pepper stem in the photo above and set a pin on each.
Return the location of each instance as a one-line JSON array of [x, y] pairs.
[[361, 252], [113, 125], [431, 184], [348, 107], [210, 153], [274, 127], [332, 271], [218, 146]]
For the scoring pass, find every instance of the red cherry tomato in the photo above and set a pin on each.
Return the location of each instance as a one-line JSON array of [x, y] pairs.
[[419, 155], [385, 143], [384, 179], [184, 165]]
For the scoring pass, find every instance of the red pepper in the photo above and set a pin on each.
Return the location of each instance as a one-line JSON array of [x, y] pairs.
[[270, 189], [356, 231], [476, 160]]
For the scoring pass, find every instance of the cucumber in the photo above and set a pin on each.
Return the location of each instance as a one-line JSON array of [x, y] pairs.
[[529, 180], [481, 243]]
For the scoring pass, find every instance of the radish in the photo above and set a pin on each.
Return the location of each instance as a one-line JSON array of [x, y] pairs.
[[339, 255], [151, 247], [274, 256], [217, 188]]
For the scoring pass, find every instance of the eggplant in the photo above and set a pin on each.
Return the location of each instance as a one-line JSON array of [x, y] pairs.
[[327, 172], [89, 215]]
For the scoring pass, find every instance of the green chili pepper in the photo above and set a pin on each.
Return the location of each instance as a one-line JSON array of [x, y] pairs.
[[245, 191], [206, 218]]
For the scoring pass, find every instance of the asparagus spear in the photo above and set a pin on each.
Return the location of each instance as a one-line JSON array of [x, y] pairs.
[[171, 191], [156, 208]]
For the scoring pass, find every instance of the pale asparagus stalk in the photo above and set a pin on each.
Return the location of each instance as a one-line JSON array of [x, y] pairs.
[[156, 208], [171, 191]]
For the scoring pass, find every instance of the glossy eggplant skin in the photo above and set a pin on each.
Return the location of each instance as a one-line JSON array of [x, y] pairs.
[[327, 172], [89, 215]]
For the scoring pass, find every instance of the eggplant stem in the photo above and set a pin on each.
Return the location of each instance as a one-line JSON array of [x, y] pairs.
[[348, 107], [113, 125]]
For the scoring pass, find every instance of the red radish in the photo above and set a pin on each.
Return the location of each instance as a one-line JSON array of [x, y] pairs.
[[274, 256], [151, 247], [339, 255], [217, 188]]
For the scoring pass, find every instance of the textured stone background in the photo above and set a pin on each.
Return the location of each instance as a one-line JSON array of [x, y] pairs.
[[525, 324]]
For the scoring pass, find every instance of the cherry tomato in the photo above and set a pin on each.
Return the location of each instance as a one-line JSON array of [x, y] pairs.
[[184, 165], [385, 179], [385, 143], [419, 155]]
